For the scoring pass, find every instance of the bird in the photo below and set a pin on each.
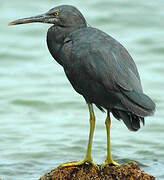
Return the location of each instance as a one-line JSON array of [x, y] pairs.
[[99, 68]]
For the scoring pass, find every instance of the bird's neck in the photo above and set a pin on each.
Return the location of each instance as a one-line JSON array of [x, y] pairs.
[[55, 39]]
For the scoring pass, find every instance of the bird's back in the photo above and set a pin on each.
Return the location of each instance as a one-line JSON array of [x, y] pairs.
[[98, 51], [101, 69]]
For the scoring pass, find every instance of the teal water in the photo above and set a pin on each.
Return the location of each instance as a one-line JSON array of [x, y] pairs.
[[43, 121]]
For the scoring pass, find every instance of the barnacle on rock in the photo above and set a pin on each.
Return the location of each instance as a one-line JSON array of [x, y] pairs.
[[130, 171]]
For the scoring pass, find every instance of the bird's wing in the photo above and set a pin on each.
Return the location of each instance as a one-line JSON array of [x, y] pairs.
[[114, 68], [110, 68]]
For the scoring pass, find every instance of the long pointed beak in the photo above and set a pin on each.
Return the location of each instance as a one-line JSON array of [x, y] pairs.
[[40, 18]]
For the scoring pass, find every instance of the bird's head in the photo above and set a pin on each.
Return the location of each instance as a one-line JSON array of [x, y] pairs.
[[64, 16]]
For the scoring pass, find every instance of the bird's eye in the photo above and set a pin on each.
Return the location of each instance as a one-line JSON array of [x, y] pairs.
[[56, 13]]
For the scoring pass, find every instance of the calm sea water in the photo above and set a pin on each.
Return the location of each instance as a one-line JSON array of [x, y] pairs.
[[43, 121]]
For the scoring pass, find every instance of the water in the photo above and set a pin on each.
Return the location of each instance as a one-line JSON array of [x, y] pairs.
[[43, 121]]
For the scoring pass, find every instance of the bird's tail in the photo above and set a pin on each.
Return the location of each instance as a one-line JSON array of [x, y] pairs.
[[138, 103], [131, 121], [134, 107]]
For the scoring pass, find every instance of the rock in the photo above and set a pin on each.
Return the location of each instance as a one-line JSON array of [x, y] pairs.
[[130, 171]]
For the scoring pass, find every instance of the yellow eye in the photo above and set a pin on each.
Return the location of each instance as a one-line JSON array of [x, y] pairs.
[[56, 13]]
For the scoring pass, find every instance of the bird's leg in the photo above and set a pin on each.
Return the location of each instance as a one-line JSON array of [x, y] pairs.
[[88, 157], [109, 160]]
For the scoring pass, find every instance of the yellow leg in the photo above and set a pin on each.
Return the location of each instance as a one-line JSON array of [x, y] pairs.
[[109, 160], [88, 157]]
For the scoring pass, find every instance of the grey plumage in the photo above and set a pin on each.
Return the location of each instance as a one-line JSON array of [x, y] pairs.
[[98, 67]]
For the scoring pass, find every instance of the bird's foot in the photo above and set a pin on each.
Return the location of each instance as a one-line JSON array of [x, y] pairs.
[[79, 163], [110, 163]]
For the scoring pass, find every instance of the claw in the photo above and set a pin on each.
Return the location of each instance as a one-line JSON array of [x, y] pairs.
[[110, 163], [79, 163]]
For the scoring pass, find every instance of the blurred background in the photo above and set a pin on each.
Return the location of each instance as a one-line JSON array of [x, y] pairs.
[[43, 121]]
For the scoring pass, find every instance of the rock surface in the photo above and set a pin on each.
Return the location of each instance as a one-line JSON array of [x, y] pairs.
[[130, 171]]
